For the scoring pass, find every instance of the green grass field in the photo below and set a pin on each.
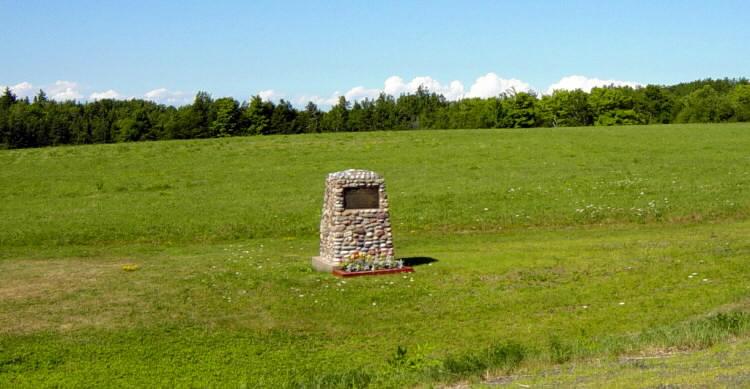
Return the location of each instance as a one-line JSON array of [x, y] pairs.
[[554, 248]]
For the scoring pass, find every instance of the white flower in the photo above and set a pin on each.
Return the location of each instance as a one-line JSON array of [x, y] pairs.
[[622, 303]]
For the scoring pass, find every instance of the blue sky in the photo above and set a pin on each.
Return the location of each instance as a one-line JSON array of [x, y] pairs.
[[303, 50]]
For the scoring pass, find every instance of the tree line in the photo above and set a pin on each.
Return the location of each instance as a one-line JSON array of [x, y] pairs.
[[43, 122]]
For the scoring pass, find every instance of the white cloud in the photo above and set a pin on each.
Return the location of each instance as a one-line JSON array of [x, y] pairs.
[[396, 86], [64, 90], [166, 96], [357, 93], [488, 85], [361, 93], [269, 94], [586, 84], [491, 85], [320, 101], [22, 89], [109, 94]]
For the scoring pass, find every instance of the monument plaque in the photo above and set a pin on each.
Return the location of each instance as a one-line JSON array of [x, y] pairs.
[[355, 222], [361, 198]]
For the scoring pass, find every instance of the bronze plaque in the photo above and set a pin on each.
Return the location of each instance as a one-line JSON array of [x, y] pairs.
[[361, 198]]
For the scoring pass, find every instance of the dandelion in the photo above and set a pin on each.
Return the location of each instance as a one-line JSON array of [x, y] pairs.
[[130, 267], [585, 307], [622, 303], [374, 303], [486, 209]]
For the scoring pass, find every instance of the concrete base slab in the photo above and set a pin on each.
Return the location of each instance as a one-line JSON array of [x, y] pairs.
[[319, 264]]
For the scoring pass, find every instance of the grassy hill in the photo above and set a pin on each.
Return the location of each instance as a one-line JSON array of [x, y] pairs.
[[552, 246]]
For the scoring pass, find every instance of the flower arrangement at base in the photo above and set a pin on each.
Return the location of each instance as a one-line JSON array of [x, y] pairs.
[[358, 262]]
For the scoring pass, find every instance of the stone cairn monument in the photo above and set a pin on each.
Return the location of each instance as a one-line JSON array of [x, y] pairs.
[[355, 219]]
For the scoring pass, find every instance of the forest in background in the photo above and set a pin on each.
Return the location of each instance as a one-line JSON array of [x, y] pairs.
[[42, 122]]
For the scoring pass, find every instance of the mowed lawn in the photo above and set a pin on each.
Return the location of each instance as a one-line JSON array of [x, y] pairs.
[[550, 246]]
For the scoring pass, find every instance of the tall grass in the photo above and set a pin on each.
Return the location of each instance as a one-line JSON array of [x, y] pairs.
[[465, 180]]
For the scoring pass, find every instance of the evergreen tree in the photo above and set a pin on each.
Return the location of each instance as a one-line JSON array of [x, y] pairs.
[[44, 122], [337, 119], [283, 118], [310, 118], [201, 116], [7, 99]]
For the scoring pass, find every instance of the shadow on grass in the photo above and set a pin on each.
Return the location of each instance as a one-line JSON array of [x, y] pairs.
[[416, 261]]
